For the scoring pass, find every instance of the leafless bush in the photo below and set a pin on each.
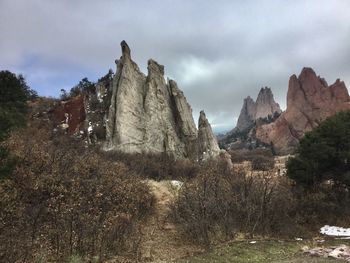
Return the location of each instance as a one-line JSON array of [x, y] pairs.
[[261, 159], [156, 166], [66, 200], [219, 204]]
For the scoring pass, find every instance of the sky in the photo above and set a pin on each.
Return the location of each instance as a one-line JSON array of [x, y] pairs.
[[219, 52]]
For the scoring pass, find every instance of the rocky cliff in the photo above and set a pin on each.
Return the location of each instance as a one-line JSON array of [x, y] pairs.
[[69, 115], [264, 107], [309, 101], [136, 113], [207, 144], [148, 114]]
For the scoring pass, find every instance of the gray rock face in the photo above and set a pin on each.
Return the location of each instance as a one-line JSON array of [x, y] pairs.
[[247, 116], [125, 126], [264, 107], [134, 113], [207, 144], [148, 114]]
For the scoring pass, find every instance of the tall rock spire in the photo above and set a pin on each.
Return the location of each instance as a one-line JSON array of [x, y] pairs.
[[264, 107], [207, 144], [147, 113]]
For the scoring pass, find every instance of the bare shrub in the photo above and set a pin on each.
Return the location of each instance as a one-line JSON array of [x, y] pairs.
[[219, 203], [261, 159], [66, 200], [156, 166]]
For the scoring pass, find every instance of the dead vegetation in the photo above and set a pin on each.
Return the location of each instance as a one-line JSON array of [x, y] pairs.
[[220, 204], [64, 200]]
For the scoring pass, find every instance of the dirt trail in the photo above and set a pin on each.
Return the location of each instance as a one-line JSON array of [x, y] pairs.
[[161, 241]]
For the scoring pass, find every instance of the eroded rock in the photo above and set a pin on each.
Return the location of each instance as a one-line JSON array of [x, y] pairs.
[[207, 144], [309, 101]]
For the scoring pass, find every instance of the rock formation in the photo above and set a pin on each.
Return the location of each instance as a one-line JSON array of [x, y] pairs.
[[147, 114], [264, 107], [207, 144], [309, 101], [96, 103], [134, 113], [247, 115], [69, 115]]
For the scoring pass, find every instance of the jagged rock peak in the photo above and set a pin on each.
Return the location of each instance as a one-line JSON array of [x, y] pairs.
[[246, 116], [265, 104], [207, 144], [264, 107], [126, 53], [148, 114], [202, 121], [309, 101], [155, 67]]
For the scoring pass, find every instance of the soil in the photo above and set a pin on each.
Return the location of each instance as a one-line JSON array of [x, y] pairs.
[[161, 240]]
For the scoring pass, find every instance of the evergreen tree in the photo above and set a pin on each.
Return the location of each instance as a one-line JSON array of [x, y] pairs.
[[324, 154], [14, 93]]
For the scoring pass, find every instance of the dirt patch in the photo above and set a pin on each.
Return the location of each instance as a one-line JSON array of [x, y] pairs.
[[161, 241]]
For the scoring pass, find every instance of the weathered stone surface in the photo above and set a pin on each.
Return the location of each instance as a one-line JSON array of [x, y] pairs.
[[309, 101], [186, 129], [264, 107], [207, 144], [96, 104], [341, 252], [147, 114], [134, 113], [247, 116], [69, 115], [125, 126]]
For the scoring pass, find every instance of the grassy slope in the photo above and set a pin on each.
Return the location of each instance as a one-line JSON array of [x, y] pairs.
[[262, 251]]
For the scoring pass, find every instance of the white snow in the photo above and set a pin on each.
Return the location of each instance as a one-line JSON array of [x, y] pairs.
[[176, 183], [99, 97], [90, 129], [335, 231]]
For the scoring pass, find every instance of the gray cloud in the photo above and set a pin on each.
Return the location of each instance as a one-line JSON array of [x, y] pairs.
[[218, 52]]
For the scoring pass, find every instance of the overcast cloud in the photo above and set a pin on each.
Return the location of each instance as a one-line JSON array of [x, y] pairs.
[[218, 51]]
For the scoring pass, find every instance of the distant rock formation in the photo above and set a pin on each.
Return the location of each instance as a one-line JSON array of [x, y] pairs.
[[134, 113], [207, 144], [264, 107], [253, 113], [247, 116], [309, 101]]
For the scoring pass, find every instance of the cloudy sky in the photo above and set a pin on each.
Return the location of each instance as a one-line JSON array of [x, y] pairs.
[[218, 51]]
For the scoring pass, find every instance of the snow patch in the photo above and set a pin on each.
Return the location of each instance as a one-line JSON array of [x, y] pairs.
[[335, 231], [176, 184], [90, 128]]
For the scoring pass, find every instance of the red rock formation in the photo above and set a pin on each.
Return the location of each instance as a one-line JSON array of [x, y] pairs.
[[69, 115], [309, 101]]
